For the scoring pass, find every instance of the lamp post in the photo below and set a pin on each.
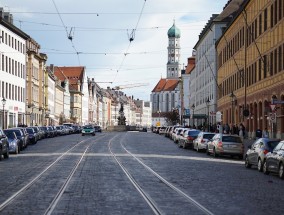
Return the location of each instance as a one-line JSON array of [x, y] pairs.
[[159, 112], [193, 107], [3, 103], [232, 95], [208, 121]]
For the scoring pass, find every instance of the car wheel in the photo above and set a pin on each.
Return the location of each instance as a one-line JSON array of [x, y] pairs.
[[207, 151], [281, 171], [247, 164], [179, 144], [184, 145], [83, 134], [214, 153], [265, 168], [241, 157], [6, 155], [1, 158], [259, 165]]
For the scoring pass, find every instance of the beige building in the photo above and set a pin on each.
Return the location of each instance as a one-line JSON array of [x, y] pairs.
[[251, 68], [35, 81]]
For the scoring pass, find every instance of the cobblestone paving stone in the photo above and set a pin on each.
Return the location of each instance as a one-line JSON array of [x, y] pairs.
[[222, 185]]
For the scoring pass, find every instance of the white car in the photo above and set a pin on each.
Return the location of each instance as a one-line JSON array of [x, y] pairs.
[[200, 143]]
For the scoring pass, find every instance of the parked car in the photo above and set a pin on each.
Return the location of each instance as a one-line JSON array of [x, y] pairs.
[[201, 141], [88, 130], [175, 134], [97, 128], [14, 142], [20, 135], [33, 137], [226, 144], [4, 145], [77, 129], [274, 161], [25, 137], [162, 130], [256, 153], [186, 140], [46, 132]]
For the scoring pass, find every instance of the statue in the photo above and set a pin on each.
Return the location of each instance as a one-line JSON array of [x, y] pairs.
[[121, 118]]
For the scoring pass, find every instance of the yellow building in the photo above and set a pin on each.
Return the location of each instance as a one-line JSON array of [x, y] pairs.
[[250, 67], [35, 95]]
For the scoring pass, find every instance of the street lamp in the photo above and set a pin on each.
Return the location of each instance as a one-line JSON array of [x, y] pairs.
[[159, 112], [232, 95], [193, 107], [207, 104], [3, 103]]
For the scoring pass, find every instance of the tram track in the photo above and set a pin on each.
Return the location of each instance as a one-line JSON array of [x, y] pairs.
[[146, 196], [10, 200]]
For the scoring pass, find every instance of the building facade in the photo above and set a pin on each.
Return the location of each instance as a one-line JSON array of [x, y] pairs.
[[12, 72], [251, 68]]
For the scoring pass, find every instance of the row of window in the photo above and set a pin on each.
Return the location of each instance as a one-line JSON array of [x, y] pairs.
[[12, 42], [12, 92], [258, 26], [267, 66], [11, 66]]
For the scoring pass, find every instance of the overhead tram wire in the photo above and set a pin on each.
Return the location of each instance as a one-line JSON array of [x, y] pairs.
[[130, 40], [68, 34]]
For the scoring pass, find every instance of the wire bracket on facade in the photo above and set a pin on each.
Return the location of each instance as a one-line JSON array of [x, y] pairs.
[[131, 36]]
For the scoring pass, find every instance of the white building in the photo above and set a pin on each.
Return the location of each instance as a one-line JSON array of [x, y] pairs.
[[165, 97], [12, 71], [85, 101], [204, 78], [51, 98]]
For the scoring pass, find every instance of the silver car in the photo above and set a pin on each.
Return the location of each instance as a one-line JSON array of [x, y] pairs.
[[226, 144], [200, 143]]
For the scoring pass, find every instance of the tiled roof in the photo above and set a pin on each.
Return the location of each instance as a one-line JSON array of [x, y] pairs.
[[190, 65], [166, 85], [73, 74]]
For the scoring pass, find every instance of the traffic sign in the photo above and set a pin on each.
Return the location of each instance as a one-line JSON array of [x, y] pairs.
[[272, 106]]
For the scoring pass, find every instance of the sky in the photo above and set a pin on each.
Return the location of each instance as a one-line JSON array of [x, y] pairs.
[[96, 34]]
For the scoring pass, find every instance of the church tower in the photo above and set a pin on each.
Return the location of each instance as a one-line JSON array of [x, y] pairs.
[[173, 65]]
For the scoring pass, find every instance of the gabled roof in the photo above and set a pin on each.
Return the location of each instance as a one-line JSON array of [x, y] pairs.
[[166, 85], [190, 65], [74, 74]]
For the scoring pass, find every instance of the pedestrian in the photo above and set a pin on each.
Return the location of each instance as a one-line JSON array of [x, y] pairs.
[[241, 131], [258, 133], [265, 133]]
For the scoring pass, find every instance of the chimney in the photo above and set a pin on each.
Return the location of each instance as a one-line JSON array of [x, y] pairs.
[[51, 68]]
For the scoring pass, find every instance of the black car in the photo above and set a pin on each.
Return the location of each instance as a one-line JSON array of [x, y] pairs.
[[4, 145], [97, 128], [45, 131], [25, 136], [274, 161], [257, 152], [32, 135]]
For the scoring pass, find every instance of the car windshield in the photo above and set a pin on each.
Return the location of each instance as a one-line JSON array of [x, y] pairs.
[[88, 127], [193, 133], [208, 136], [231, 139], [272, 144], [44, 128], [30, 130], [10, 134]]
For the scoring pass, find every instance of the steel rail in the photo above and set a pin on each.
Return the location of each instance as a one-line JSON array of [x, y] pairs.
[[35, 179], [53, 204], [145, 196], [180, 192]]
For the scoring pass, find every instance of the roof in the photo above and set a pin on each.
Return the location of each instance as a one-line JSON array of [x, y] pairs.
[[174, 32], [190, 65], [75, 75], [166, 85]]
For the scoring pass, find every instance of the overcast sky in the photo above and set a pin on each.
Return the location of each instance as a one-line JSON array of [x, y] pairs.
[[100, 31]]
